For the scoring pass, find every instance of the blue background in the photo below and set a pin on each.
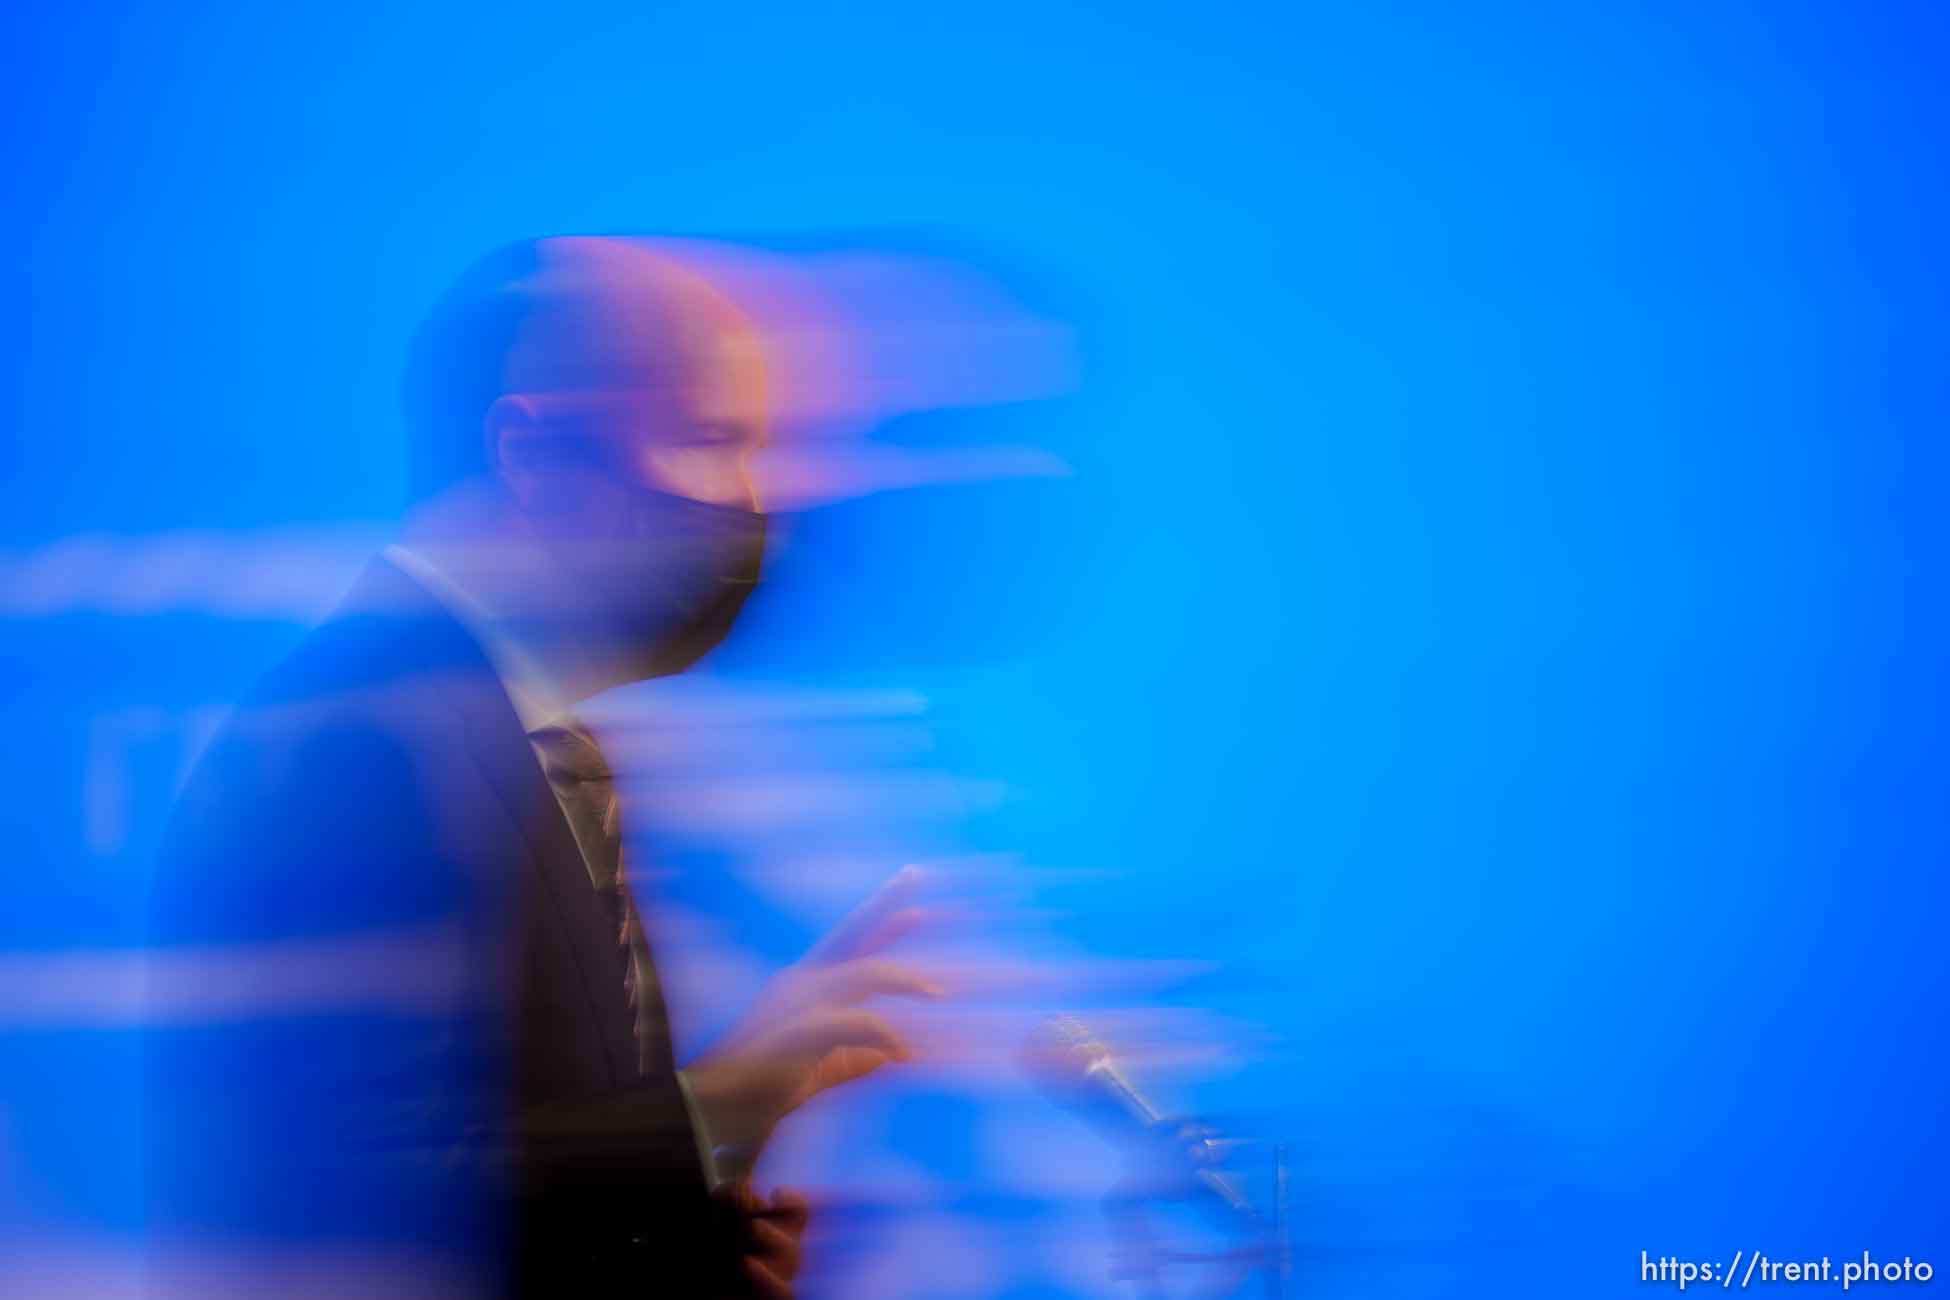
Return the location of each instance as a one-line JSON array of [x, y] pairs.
[[1497, 610]]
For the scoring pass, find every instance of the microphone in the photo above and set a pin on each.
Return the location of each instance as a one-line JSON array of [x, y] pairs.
[[1081, 1073]]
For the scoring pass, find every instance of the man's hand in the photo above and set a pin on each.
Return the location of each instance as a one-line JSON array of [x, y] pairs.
[[807, 1031], [772, 1232]]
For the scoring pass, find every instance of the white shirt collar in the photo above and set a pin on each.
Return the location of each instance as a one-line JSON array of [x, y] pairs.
[[538, 701]]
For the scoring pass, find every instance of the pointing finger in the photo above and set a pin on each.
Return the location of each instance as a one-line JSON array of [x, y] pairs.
[[866, 928], [855, 981], [822, 1033]]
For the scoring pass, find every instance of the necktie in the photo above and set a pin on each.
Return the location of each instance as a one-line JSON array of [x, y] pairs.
[[586, 788]]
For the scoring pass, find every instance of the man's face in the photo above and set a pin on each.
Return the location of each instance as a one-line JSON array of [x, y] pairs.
[[580, 460], [642, 498], [635, 373], [713, 421]]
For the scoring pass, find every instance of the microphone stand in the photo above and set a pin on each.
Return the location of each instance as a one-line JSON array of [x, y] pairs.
[[1268, 1248]]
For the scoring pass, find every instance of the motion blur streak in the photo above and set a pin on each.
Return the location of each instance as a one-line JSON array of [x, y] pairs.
[[398, 973]]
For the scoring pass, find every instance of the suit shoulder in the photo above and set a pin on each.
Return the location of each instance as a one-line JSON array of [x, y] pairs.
[[317, 806]]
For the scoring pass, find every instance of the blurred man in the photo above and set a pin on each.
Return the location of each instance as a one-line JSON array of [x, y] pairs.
[[447, 1058]]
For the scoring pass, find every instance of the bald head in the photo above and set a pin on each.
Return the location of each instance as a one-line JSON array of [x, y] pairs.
[[605, 345], [583, 413]]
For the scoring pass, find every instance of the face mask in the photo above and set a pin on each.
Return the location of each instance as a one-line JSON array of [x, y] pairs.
[[689, 569]]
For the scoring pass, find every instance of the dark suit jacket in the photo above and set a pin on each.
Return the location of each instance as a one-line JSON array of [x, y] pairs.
[[430, 1046]]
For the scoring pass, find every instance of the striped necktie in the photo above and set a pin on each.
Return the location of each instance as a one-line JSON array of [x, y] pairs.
[[586, 788]]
